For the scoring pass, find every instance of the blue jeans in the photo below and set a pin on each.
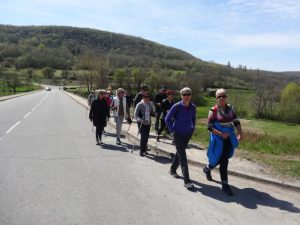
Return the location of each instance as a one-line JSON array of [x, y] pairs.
[[181, 143]]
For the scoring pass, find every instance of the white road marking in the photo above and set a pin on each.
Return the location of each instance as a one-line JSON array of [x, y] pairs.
[[34, 108], [27, 115], [16, 124]]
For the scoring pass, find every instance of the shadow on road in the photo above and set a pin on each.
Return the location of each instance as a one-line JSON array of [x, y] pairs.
[[248, 197], [124, 147], [159, 159]]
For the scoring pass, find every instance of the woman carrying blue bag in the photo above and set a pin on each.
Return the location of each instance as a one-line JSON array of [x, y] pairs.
[[221, 123]]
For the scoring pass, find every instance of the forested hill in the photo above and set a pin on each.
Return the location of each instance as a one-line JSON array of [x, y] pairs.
[[61, 48], [57, 46]]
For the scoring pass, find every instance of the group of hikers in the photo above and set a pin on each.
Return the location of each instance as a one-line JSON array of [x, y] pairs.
[[176, 118]]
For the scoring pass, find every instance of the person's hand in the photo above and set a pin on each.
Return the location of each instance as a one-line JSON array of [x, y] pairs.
[[240, 137], [225, 135]]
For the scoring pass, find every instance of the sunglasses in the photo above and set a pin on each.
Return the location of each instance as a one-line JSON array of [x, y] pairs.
[[186, 94], [222, 96]]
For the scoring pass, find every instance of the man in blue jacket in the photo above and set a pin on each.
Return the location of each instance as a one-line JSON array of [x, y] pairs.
[[181, 121]]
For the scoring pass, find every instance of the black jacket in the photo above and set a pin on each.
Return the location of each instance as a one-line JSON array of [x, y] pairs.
[[158, 99], [165, 106], [99, 113]]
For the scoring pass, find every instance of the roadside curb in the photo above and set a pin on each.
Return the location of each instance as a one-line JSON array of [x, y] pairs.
[[197, 163], [4, 98]]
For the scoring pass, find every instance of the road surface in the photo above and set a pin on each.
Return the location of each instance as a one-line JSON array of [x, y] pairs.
[[51, 172]]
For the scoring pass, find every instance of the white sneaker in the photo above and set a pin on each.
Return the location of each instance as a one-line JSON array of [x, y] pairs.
[[189, 185]]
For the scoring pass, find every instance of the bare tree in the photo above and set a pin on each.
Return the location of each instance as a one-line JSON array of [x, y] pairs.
[[265, 99], [93, 71]]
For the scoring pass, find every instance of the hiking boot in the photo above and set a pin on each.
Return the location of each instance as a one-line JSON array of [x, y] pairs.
[[207, 173], [189, 186], [174, 174], [226, 188], [142, 154]]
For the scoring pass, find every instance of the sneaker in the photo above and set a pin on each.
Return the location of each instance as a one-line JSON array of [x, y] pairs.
[[226, 188], [174, 174], [118, 141], [207, 173], [189, 186], [142, 154]]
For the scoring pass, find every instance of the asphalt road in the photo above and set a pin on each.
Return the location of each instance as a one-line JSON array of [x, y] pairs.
[[51, 172]]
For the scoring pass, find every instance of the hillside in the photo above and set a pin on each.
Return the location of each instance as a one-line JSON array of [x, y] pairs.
[[60, 47], [23, 44]]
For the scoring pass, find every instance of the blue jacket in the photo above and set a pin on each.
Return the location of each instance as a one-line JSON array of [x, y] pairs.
[[215, 147], [181, 119]]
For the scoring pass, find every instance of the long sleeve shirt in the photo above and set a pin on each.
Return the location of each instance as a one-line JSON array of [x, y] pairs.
[[181, 119]]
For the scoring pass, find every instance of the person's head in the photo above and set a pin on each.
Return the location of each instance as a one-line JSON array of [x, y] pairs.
[[163, 90], [186, 95], [92, 92], [221, 97], [144, 88], [101, 93], [170, 94], [108, 92], [120, 92], [146, 97]]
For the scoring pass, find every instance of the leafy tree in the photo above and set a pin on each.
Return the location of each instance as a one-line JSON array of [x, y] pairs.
[[290, 103], [48, 72]]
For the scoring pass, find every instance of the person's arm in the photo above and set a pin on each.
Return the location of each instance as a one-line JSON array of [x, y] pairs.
[[137, 112], [237, 124], [194, 118], [91, 111], [169, 118], [152, 111]]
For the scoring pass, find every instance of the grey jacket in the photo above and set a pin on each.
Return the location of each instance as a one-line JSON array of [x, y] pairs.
[[139, 112]]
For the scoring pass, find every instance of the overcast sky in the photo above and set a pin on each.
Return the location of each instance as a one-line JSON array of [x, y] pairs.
[[262, 34]]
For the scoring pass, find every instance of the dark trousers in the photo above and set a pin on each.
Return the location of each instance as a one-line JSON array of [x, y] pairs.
[[157, 119], [181, 143], [223, 161], [162, 125], [144, 131], [99, 131]]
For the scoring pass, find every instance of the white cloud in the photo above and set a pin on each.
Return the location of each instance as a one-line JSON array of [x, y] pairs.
[[272, 40]]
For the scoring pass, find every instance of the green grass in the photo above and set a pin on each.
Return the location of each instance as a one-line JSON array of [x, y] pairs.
[[20, 89]]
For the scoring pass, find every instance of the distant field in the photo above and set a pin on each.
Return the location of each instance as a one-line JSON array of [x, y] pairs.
[[20, 89]]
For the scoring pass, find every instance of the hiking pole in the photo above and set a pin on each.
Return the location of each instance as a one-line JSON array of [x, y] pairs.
[[133, 146]]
